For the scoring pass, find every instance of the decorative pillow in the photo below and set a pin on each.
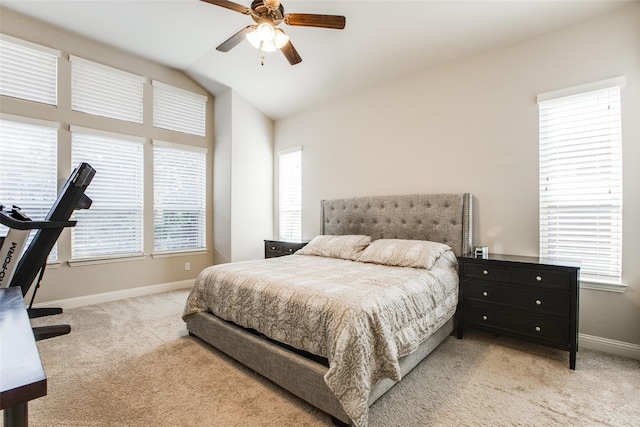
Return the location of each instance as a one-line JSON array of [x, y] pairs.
[[404, 253], [345, 247]]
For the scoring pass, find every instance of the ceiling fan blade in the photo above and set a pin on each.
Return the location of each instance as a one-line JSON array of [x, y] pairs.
[[310, 20], [291, 53], [230, 5], [235, 39]]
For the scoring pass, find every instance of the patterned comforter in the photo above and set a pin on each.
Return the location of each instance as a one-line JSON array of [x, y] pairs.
[[362, 317]]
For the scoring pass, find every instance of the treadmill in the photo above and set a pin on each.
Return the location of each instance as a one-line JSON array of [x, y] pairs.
[[23, 272]]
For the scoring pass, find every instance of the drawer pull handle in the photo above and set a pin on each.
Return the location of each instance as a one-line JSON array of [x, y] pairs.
[[484, 317], [485, 272], [539, 279], [538, 302], [290, 249], [273, 248], [484, 294], [538, 328]]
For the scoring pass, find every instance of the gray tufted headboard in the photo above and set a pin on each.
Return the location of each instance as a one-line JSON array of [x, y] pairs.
[[445, 218]]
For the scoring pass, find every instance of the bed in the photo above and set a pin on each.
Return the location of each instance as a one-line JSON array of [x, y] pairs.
[[358, 317]]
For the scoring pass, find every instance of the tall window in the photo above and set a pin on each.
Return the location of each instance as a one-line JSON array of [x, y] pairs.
[[581, 178], [28, 169], [112, 227], [179, 197], [290, 190]]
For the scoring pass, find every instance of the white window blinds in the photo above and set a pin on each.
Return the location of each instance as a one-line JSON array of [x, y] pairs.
[[179, 197], [113, 226], [581, 180], [28, 170], [28, 71], [106, 91], [290, 190], [178, 109]]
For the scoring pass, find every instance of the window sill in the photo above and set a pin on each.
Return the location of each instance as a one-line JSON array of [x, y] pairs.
[[618, 288], [96, 261], [185, 252], [53, 264]]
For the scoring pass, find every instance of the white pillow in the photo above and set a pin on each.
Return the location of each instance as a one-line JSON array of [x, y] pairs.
[[344, 247], [404, 253]]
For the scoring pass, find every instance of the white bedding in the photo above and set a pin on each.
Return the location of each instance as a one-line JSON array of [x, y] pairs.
[[361, 316]]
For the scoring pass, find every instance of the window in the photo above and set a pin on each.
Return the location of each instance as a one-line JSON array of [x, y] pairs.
[[178, 109], [290, 190], [103, 97], [113, 226], [581, 178], [28, 169], [105, 91], [28, 71], [179, 197]]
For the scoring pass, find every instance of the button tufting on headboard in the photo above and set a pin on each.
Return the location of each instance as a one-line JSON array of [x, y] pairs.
[[444, 218]]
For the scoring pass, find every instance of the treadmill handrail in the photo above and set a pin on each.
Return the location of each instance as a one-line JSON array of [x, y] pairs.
[[7, 220]]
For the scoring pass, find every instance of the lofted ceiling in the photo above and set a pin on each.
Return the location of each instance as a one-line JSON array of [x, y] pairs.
[[382, 40]]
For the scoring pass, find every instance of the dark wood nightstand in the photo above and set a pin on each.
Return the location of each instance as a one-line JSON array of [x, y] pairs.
[[525, 297], [276, 248]]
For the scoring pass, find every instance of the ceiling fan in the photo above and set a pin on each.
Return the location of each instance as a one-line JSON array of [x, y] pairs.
[[265, 35]]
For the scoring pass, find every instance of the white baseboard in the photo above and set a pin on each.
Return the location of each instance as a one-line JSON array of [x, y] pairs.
[[82, 301], [619, 348]]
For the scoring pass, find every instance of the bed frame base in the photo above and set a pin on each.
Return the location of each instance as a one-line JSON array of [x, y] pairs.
[[291, 371]]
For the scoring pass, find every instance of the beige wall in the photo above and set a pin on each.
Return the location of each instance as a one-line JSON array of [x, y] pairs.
[[63, 281], [252, 181], [222, 178], [243, 175], [472, 126]]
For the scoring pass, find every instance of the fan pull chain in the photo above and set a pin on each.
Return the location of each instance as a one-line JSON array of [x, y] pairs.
[[262, 60]]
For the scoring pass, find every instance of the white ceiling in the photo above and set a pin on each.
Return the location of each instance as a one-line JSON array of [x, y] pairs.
[[382, 41]]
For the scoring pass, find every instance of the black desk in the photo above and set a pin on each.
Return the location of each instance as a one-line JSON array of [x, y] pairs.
[[22, 377]]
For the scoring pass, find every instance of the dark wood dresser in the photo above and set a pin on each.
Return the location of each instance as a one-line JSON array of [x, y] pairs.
[[276, 248], [525, 297]]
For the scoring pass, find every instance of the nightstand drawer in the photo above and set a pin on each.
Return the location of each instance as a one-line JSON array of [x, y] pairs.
[[272, 246], [539, 277], [277, 248], [487, 272], [500, 320], [288, 249], [535, 301]]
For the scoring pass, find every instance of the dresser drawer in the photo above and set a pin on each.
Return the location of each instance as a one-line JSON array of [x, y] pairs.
[[484, 271], [541, 277], [536, 301], [534, 327]]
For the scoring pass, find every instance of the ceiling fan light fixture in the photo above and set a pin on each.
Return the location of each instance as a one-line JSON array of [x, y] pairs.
[[267, 38], [280, 38], [266, 32], [254, 39]]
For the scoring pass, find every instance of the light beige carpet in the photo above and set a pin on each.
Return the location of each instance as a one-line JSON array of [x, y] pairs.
[[131, 363]]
